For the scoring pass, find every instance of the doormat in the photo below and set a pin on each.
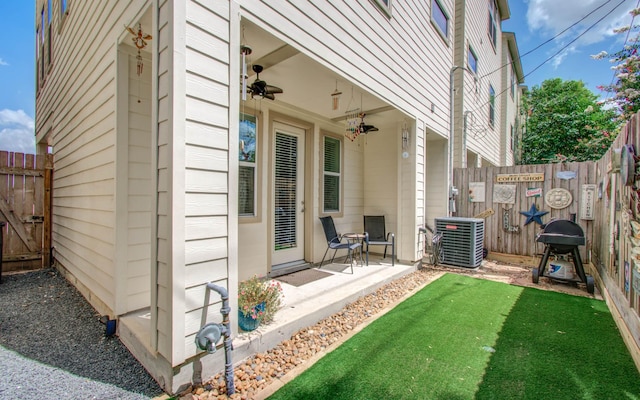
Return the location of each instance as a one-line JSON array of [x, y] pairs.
[[305, 276]]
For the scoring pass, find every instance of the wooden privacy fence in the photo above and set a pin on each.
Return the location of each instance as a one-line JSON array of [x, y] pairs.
[[25, 207], [616, 253], [564, 190]]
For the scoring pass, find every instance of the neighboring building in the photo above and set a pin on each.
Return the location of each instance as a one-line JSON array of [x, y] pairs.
[[487, 65], [165, 178], [512, 78]]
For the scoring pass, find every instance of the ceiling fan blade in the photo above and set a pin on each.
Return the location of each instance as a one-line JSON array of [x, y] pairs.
[[272, 89], [371, 128], [269, 96]]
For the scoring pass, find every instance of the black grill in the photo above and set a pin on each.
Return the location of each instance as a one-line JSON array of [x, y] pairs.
[[562, 236]]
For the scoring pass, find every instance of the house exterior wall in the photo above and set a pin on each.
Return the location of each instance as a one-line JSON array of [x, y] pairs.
[[133, 183], [194, 229], [75, 114]]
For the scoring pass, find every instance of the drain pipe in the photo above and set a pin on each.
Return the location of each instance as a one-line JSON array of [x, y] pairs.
[[209, 335]]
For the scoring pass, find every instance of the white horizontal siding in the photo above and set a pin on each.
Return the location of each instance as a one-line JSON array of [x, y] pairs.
[[402, 60], [193, 103], [136, 278], [75, 113], [163, 311]]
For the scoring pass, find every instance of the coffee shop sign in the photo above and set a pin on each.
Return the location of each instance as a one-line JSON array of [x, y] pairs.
[[532, 177]]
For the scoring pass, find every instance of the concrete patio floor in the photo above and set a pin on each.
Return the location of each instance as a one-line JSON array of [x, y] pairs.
[[307, 304]]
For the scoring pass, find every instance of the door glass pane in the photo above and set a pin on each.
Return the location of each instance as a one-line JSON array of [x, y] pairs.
[[286, 158]]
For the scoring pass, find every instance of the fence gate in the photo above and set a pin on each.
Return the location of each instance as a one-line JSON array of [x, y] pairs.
[[25, 207]]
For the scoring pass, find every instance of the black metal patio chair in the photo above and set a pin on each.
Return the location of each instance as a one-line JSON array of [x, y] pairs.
[[335, 243], [375, 230]]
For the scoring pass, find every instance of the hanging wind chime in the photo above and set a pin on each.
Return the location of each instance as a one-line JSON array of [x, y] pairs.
[[139, 40], [352, 120], [335, 98]]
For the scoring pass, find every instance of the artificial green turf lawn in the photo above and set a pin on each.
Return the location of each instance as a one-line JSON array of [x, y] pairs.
[[438, 345]]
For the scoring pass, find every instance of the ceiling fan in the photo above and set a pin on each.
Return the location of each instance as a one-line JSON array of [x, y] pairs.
[[364, 128], [260, 88]]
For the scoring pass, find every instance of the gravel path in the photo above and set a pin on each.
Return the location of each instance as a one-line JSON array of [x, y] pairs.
[[52, 345]]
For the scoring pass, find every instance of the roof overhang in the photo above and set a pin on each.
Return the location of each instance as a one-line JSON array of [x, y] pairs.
[[512, 47], [503, 7]]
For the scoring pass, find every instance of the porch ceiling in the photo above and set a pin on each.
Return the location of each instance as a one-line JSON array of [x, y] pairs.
[[307, 84]]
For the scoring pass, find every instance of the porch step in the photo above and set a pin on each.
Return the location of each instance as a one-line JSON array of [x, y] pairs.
[[289, 268]]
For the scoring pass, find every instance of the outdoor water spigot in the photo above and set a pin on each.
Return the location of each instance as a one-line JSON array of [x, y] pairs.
[[208, 336]]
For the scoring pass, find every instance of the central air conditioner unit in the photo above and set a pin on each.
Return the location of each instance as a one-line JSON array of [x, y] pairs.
[[462, 240]]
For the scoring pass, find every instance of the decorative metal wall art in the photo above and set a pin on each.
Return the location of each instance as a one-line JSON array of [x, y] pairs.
[[476, 192], [533, 215], [587, 201], [505, 194], [506, 222], [558, 198]]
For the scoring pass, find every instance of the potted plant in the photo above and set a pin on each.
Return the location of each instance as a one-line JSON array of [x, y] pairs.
[[258, 301]]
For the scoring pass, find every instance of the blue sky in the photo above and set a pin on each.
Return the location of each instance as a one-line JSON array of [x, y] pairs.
[[17, 75], [533, 21], [536, 21]]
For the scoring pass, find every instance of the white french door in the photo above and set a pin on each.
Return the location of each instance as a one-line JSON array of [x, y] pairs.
[[287, 195]]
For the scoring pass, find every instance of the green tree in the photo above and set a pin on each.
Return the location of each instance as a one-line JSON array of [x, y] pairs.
[[565, 123]]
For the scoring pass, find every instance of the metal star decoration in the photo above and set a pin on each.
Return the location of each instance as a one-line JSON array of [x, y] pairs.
[[534, 215]]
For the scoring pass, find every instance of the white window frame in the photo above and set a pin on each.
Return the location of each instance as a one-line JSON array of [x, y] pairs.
[[339, 174], [492, 29], [434, 22], [254, 215]]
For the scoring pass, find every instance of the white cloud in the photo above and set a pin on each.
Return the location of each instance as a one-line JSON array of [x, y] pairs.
[[550, 17], [3, 62], [17, 131]]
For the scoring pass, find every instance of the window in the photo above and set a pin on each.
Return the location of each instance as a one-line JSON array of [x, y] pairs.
[[64, 11], [493, 22], [247, 166], [48, 33], [42, 25], [511, 138], [440, 18], [513, 82], [40, 49], [472, 60], [492, 105], [385, 6], [331, 174]]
